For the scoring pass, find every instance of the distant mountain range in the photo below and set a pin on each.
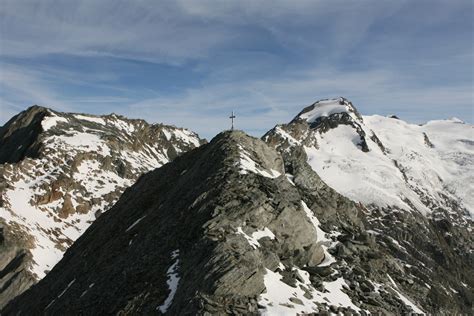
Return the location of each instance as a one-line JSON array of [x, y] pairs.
[[334, 212]]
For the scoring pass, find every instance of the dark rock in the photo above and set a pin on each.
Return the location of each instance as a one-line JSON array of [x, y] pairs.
[[296, 300], [321, 271], [366, 286]]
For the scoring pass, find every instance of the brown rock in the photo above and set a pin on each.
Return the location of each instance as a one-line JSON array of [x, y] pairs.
[[52, 195], [67, 208], [83, 208]]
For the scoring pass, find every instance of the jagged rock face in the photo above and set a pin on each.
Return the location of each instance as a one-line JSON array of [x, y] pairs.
[[59, 172], [220, 230], [414, 185]]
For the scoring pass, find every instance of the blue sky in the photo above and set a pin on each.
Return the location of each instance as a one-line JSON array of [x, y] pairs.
[[190, 63]]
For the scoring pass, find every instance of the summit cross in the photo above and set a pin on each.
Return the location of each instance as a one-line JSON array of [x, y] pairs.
[[232, 117]]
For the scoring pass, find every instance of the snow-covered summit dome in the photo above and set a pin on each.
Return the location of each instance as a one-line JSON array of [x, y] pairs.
[[327, 108]]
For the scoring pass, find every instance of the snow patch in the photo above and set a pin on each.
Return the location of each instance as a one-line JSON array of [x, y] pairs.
[[403, 298], [86, 142], [87, 290], [37, 223], [367, 177], [135, 223], [97, 120], [50, 121], [141, 161], [291, 140], [248, 165], [253, 239], [122, 125], [166, 133], [276, 300], [187, 137], [290, 178], [68, 286], [173, 280], [321, 236]]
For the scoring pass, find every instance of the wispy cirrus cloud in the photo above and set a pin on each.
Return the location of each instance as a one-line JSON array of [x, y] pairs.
[[22, 86], [190, 62], [261, 104]]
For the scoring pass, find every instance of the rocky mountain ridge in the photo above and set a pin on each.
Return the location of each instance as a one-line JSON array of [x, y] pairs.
[[242, 241], [59, 172], [236, 227]]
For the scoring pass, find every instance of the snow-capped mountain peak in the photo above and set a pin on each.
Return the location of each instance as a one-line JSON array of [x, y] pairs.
[[384, 161], [60, 171], [325, 108], [413, 183]]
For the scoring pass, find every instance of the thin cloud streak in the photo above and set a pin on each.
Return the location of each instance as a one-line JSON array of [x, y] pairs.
[[189, 63], [21, 87], [262, 104]]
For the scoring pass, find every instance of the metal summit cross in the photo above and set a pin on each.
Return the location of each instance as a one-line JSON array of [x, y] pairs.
[[232, 117]]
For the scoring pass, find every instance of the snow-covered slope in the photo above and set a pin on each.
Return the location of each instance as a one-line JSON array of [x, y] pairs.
[[71, 168], [414, 185], [384, 161]]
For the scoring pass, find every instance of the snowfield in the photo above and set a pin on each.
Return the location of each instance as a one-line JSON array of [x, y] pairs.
[[418, 164]]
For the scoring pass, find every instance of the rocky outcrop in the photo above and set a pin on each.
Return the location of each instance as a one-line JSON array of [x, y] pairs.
[[59, 172], [18, 137]]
